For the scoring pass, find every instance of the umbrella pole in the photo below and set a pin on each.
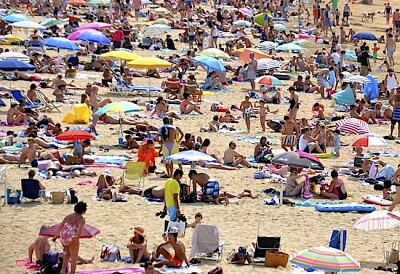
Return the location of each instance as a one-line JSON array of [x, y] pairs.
[[383, 248], [149, 88]]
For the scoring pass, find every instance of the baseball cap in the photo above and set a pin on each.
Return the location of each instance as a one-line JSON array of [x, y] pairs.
[[173, 229], [242, 251]]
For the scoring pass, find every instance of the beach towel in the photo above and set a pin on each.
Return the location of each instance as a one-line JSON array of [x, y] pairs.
[[132, 270], [29, 266], [228, 130], [84, 183], [252, 139], [192, 269], [105, 159], [155, 201], [344, 97], [100, 165]]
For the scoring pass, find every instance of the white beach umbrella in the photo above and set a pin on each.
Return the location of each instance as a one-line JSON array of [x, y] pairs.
[[242, 23], [267, 45], [14, 56], [155, 30], [28, 25], [357, 79], [280, 27], [267, 64]]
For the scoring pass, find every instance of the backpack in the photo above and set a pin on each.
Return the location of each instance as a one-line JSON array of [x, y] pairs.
[[217, 270], [110, 253], [71, 196]]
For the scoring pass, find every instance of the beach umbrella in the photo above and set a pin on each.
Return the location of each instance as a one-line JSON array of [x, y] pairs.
[[77, 3], [269, 81], [280, 27], [246, 12], [268, 64], [242, 23], [377, 220], [357, 79], [245, 56], [289, 46], [155, 30], [49, 22], [95, 25], [268, 45], [210, 62], [88, 231], [120, 55], [73, 36], [365, 36], [146, 2], [94, 37], [353, 126], [15, 18], [160, 11], [241, 50], [303, 36], [95, 3], [370, 140], [300, 42], [213, 52], [161, 21], [75, 135], [298, 159], [13, 55], [28, 25], [326, 259], [190, 156], [15, 65], [60, 43]]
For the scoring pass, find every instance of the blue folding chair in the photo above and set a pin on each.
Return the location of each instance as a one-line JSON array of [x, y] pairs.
[[18, 95], [30, 189], [2, 104], [338, 239]]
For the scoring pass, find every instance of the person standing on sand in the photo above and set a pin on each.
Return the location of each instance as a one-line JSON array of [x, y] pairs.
[[288, 134], [252, 71], [167, 134], [245, 107], [395, 102], [390, 48], [388, 12], [172, 190], [294, 104]]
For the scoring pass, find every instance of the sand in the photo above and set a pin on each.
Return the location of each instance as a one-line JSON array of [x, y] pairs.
[[299, 227]]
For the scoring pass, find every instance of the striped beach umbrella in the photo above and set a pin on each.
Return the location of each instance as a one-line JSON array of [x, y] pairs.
[[246, 12], [155, 30], [353, 126], [377, 220], [268, 64], [269, 81], [326, 259], [88, 231], [267, 45], [370, 140]]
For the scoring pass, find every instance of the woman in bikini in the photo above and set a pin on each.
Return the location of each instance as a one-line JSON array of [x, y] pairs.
[[336, 189], [114, 121], [294, 104], [188, 107], [293, 188], [138, 246], [69, 233], [161, 109]]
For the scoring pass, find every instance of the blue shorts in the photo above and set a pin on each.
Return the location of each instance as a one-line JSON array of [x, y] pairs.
[[211, 189], [172, 212]]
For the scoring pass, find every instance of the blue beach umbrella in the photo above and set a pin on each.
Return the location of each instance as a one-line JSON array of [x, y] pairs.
[[60, 43], [365, 36], [210, 62], [289, 46], [15, 18], [15, 65], [94, 37]]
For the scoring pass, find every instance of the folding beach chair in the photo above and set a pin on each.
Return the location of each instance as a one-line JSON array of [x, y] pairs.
[[134, 171], [47, 103], [205, 241], [19, 95], [30, 189], [120, 83], [172, 87], [338, 239], [264, 244]]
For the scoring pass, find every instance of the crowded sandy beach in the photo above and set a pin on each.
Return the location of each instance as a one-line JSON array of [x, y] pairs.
[[199, 136]]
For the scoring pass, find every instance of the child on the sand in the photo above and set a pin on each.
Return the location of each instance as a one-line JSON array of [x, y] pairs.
[[198, 218], [246, 107], [264, 110], [375, 50]]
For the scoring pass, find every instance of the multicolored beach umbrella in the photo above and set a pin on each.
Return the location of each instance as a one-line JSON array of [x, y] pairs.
[[88, 231], [326, 259]]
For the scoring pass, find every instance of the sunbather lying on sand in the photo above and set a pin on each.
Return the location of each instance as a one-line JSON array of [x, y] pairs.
[[125, 121], [7, 158], [55, 168]]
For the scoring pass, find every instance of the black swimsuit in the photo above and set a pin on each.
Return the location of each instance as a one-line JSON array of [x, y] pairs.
[[293, 104]]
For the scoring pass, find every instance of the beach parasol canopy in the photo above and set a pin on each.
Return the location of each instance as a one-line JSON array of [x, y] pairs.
[[120, 55], [156, 30], [49, 22], [246, 12], [298, 159], [353, 126], [75, 135], [267, 45], [242, 23], [13, 55], [15, 18], [149, 63], [60, 43], [210, 62], [88, 231], [190, 156], [365, 36], [95, 3], [119, 107], [213, 52], [160, 11], [326, 259], [280, 27], [269, 81], [268, 64], [245, 56], [146, 2], [94, 37], [357, 79], [370, 140], [28, 25], [77, 3], [15, 65], [95, 25], [73, 36], [289, 46]]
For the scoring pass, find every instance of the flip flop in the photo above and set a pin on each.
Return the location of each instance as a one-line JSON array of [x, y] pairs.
[[165, 176]]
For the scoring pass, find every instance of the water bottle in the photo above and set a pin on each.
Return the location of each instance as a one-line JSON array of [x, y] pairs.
[[120, 140]]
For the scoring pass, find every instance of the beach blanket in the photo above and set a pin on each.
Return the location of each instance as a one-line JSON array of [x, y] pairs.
[[43, 174], [131, 269], [183, 269], [228, 130], [86, 76], [252, 139], [29, 266], [11, 149], [155, 201], [100, 165], [105, 159], [84, 183]]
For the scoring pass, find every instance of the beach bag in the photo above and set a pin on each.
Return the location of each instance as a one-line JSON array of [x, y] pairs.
[[276, 258], [217, 270], [57, 197], [394, 253], [71, 196], [180, 225], [110, 253]]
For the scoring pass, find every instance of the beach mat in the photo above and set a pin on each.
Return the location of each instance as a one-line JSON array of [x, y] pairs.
[[100, 165], [27, 265], [183, 269], [105, 159], [132, 269]]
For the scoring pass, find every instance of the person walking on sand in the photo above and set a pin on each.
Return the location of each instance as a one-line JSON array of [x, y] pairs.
[[246, 107], [391, 82], [390, 48], [172, 190], [251, 71], [263, 113], [388, 12], [69, 232], [167, 134], [294, 104]]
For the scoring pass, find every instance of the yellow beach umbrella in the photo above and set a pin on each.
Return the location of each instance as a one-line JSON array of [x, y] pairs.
[[120, 55], [213, 52], [149, 63], [241, 50], [161, 21]]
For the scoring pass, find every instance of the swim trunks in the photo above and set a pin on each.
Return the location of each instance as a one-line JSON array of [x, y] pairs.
[[211, 189], [247, 113], [288, 140], [177, 262]]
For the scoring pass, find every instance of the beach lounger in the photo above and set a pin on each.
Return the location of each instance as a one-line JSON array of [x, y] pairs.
[[264, 244], [121, 84], [134, 171], [205, 240], [18, 95], [2, 104], [30, 189], [47, 103]]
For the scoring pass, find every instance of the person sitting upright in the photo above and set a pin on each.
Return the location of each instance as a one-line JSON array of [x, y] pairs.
[[232, 158], [336, 189], [293, 188]]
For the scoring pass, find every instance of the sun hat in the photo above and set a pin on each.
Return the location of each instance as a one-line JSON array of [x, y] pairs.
[[107, 172], [139, 230]]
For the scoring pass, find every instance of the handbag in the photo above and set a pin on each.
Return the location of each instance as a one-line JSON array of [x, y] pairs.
[[180, 225], [394, 253], [276, 258], [110, 253]]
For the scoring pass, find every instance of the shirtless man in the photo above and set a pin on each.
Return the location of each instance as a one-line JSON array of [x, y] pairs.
[[390, 48], [210, 188], [170, 260], [232, 158], [95, 103], [14, 116], [289, 129], [167, 134], [6, 158], [30, 153], [245, 107], [252, 71]]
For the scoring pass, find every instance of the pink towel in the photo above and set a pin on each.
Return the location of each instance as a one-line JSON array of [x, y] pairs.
[[28, 265], [5, 124], [84, 183], [134, 270]]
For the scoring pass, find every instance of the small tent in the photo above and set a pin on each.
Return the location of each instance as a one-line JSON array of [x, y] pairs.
[[78, 114], [344, 97]]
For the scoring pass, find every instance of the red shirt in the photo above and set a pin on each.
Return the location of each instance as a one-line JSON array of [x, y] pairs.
[[118, 35]]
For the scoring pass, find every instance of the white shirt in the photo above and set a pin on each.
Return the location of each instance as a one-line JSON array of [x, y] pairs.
[[336, 57]]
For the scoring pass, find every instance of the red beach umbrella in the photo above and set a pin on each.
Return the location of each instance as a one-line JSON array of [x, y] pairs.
[[75, 135]]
